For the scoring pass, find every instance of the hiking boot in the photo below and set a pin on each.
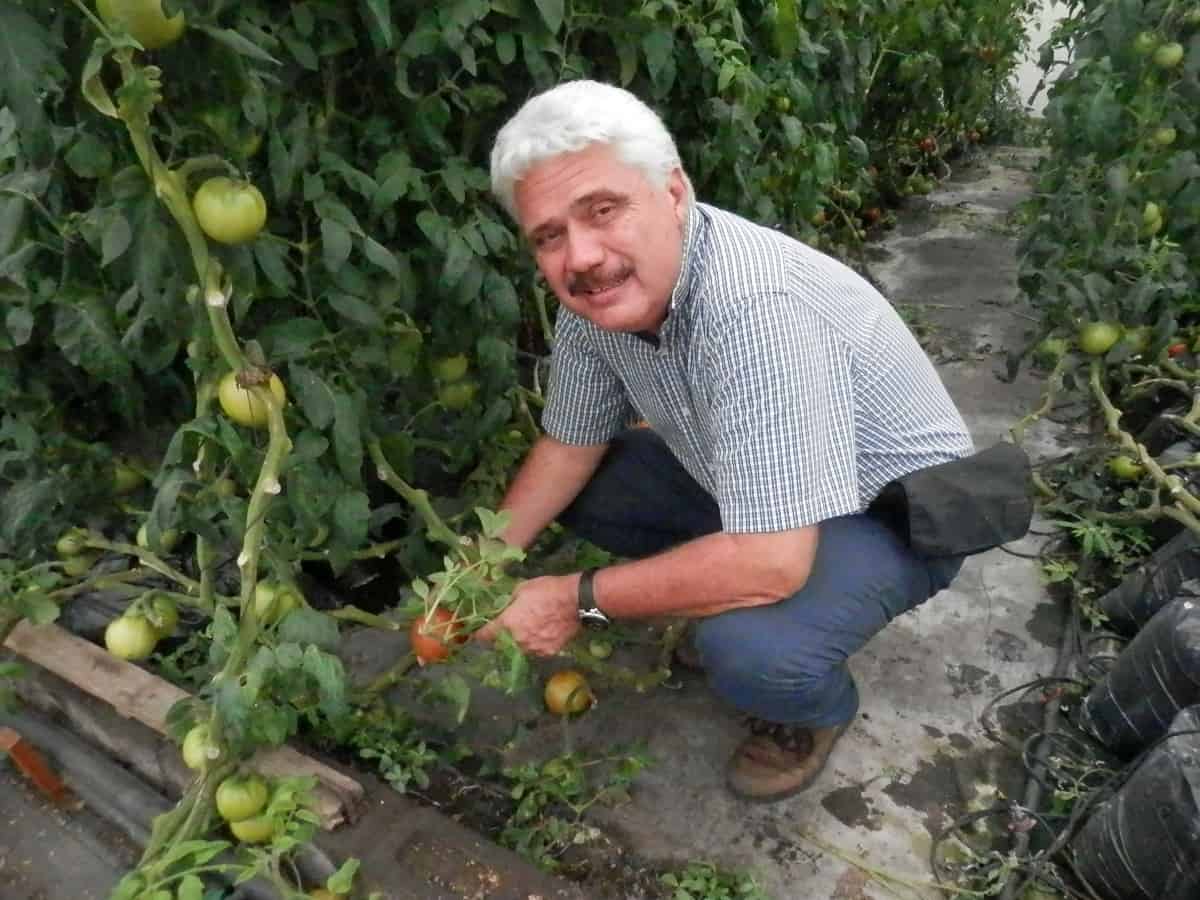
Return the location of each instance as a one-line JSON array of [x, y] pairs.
[[777, 761]]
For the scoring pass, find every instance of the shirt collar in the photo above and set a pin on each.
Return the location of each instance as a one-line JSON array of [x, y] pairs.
[[692, 226]]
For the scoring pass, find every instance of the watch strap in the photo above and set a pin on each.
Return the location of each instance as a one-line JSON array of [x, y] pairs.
[[586, 596]]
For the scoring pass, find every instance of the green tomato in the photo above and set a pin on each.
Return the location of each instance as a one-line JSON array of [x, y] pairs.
[[72, 543], [256, 830], [198, 749], [1050, 351], [1164, 136], [130, 637], [1097, 338], [1168, 56], [163, 615], [273, 601], [144, 20], [230, 212], [451, 368], [126, 479], [242, 406], [600, 649], [1144, 43], [167, 540], [240, 797], [457, 396], [78, 566], [227, 487], [1125, 468]]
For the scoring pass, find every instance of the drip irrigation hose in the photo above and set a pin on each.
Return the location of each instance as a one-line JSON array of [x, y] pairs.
[[1033, 786]]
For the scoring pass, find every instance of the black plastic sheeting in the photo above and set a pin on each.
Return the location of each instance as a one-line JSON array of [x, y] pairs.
[[1156, 676], [1161, 579], [1144, 842]]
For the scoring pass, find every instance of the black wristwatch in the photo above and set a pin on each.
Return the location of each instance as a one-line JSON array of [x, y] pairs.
[[589, 613]]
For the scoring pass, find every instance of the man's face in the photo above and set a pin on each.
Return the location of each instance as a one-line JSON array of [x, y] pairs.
[[609, 243]]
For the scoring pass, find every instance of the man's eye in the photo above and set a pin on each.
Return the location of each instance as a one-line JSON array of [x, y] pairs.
[[604, 210], [546, 239]]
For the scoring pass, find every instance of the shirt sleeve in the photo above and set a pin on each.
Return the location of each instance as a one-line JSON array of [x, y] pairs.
[[586, 403], [784, 415]]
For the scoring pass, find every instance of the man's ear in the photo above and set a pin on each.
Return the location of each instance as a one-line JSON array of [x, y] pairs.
[[679, 189]]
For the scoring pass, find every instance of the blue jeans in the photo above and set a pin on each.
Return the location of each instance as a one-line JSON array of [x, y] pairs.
[[785, 662]]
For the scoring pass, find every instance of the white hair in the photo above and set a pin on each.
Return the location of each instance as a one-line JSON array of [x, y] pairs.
[[572, 116]]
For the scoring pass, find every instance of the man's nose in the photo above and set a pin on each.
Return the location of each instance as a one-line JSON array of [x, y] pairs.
[[584, 251]]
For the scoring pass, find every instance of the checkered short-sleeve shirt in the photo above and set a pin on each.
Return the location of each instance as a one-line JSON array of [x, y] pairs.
[[782, 381]]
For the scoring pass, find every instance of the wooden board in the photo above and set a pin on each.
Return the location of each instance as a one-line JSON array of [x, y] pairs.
[[137, 694]]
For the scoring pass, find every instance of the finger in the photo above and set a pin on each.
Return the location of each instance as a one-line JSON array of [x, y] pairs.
[[489, 631]]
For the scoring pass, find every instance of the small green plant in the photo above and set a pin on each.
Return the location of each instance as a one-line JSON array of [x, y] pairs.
[[553, 797], [705, 881]]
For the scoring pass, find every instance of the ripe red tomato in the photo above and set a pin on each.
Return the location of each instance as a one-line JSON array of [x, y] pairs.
[[433, 635]]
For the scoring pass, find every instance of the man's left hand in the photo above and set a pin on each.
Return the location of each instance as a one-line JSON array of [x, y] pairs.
[[542, 616]]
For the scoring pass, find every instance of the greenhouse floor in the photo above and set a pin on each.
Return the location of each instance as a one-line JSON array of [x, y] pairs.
[[916, 758]]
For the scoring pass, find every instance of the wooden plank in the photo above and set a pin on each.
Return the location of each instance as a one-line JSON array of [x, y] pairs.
[[140, 695]]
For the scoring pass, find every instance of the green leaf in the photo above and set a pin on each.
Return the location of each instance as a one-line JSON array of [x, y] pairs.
[[272, 259], [117, 238], [94, 90], [19, 323], [351, 515], [659, 48], [454, 689], [552, 13], [381, 256], [314, 395], [292, 337], [459, 256], [787, 29], [85, 332], [379, 15], [24, 506], [335, 244], [308, 626], [37, 607], [327, 670], [627, 53], [506, 47], [356, 310], [341, 881], [236, 42], [28, 69], [347, 438], [89, 157], [190, 888]]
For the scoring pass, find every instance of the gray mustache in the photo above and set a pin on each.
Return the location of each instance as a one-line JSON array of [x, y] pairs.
[[590, 282]]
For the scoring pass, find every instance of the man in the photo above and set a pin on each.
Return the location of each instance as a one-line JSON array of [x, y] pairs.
[[783, 392]]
